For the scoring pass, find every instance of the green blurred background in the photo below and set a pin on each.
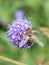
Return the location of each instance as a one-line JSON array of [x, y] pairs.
[[38, 13]]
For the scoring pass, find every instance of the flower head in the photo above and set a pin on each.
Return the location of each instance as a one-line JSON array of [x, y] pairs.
[[17, 29]]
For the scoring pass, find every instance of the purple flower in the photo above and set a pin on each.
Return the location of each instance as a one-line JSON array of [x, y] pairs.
[[17, 29]]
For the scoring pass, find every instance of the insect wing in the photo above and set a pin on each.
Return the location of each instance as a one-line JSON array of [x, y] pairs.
[[38, 41], [24, 40], [35, 31]]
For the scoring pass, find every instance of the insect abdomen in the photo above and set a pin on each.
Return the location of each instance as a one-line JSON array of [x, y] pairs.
[[29, 42]]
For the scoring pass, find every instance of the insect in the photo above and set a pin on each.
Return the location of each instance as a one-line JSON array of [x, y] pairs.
[[28, 38]]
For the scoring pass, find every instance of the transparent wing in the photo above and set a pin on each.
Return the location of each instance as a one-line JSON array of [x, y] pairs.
[[38, 41], [24, 40], [35, 31]]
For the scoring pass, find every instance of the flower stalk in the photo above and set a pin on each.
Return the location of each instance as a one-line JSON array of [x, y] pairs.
[[11, 61]]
